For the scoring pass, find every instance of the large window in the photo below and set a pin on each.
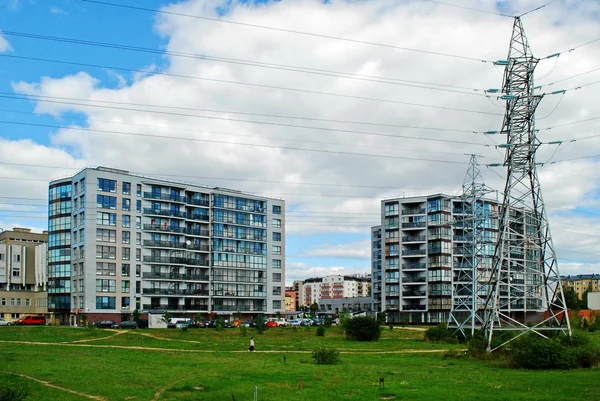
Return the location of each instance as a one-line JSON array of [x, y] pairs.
[[125, 287], [106, 285], [276, 223], [126, 237], [106, 269], [276, 250], [126, 255], [125, 270], [106, 202], [106, 219], [276, 304], [105, 235], [105, 302], [276, 209], [126, 221], [126, 204], [277, 277], [277, 263], [126, 188], [106, 252], [277, 237], [105, 185]]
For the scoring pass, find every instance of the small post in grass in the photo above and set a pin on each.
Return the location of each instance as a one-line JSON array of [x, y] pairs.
[[381, 383], [284, 360], [255, 393]]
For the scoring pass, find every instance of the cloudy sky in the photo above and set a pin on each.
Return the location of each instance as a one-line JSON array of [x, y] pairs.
[[332, 105]]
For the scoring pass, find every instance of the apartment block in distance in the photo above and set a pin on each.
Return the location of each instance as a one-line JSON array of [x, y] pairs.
[[23, 273], [333, 287], [418, 254], [581, 283], [121, 241]]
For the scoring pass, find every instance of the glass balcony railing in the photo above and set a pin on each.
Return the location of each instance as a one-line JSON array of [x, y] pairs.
[[177, 245], [171, 292], [418, 224], [191, 307], [176, 276], [175, 260]]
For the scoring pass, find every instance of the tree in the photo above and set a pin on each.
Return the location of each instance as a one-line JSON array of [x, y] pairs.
[[260, 324], [344, 317], [136, 315], [381, 317], [314, 308], [166, 317], [584, 297], [363, 328]]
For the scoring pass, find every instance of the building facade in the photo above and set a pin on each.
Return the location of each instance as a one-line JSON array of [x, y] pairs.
[[121, 241], [418, 257], [333, 287], [23, 273], [354, 305], [582, 282], [290, 301]]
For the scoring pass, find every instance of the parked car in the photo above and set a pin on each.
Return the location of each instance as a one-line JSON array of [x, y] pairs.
[[31, 320], [142, 324], [4, 322], [105, 324], [306, 322], [317, 322], [272, 323], [128, 324], [295, 322]]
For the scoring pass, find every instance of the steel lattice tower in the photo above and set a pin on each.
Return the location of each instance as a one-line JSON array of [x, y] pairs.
[[526, 291], [471, 270]]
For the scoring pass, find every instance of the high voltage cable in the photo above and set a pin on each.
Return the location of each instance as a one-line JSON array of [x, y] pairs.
[[237, 143], [255, 122], [241, 135], [287, 30], [359, 77], [466, 8], [282, 67]]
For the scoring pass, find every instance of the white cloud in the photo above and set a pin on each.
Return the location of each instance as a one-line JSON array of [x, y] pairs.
[[302, 271], [4, 45], [58, 11], [354, 185], [351, 250]]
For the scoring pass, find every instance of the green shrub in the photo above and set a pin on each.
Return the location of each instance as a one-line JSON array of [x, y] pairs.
[[12, 394], [363, 328], [535, 352], [260, 324], [585, 356], [320, 331], [325, 356], [440, 333], [594, 326], [219, 323], [243, 330], [328, 322]]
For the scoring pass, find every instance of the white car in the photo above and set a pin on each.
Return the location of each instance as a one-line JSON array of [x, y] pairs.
[[4, 322]]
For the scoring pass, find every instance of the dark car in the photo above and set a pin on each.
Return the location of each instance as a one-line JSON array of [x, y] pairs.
[[128, 324], [142, 324], [105, 324]]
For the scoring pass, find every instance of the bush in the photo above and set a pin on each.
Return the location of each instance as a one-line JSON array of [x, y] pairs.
[[260, 324], [594, 326], [12, 394], [328, 322], [219, 323], [320, 331], [535, 352], [363, 328], [243, 330], [325, 356], [440, 333]]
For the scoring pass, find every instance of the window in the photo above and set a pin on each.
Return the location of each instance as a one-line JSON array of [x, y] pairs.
[[126, 221], [27, 302], [276, 250], [125, 270], [138, 254], [276, 223], [276, 304], [106, 285], [276, 290], [105, 302], [106, 252], [81, 289], [76, 188], [105, 185], [105, 235], [126, 237], [3, 302], [106, 219], [126, 254], [138, 287], [276, 263], [138, 206], [138, 270], [125, 287], [138, 189], [138, 222], [277, 277], [276, 209], [138, 238], [82, 235], [126, 204], [106, 269], [126, 188], [277, 237], [106, 202]]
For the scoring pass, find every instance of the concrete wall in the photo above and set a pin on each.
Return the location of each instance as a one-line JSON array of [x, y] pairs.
[[594, 300]]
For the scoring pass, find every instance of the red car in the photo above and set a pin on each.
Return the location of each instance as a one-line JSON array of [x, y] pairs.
[[271, 323], [31, 320]]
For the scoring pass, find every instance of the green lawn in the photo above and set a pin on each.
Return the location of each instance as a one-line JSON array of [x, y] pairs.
[[205, 364]]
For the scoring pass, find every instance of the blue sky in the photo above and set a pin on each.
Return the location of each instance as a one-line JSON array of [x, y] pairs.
[[332, 234]]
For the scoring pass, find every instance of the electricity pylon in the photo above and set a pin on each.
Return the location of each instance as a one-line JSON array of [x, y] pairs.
[[526, 291], [472, 265]]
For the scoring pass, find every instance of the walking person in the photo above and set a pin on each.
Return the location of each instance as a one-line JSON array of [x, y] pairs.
[[251, 344]]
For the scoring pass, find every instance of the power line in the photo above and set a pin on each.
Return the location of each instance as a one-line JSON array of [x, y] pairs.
[[287, 30], [337, 74], [467, 8], [535, 9], [39, 99], [234, 143]]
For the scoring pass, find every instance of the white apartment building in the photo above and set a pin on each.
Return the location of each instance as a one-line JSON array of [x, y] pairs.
[[121, 241], [332, 287]]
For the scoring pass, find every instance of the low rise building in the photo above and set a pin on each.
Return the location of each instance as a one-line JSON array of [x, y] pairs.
[[582, 283], [354, 304], [333, 287], [290, 301], [23, 273]]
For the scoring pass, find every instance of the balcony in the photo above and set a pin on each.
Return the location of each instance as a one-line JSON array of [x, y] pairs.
[[414, 238], [395, 294], [406, 212], [413, 252], [414, 293], [174, 229], [176, 198], [413, 280], [198, 202], [392, 240], [392, 307], [175, 213], [240, 249], [414, 266], [239, 308], [392, 268], [414, 225], [177, 307], [173, 292], [251, 237], [177, 245], [175, 260], [252, 280], [414, 307], [176, 276]]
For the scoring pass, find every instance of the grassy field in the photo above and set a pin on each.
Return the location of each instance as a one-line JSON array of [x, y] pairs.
[[57, 363]]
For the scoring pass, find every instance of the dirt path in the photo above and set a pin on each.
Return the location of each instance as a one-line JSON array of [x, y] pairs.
[[48, 384], [117, 333]]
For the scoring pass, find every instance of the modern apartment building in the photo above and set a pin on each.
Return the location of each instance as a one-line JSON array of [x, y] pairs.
[[333, 287], [582, 282], [121, 241], [22, 273], [419, 259]]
